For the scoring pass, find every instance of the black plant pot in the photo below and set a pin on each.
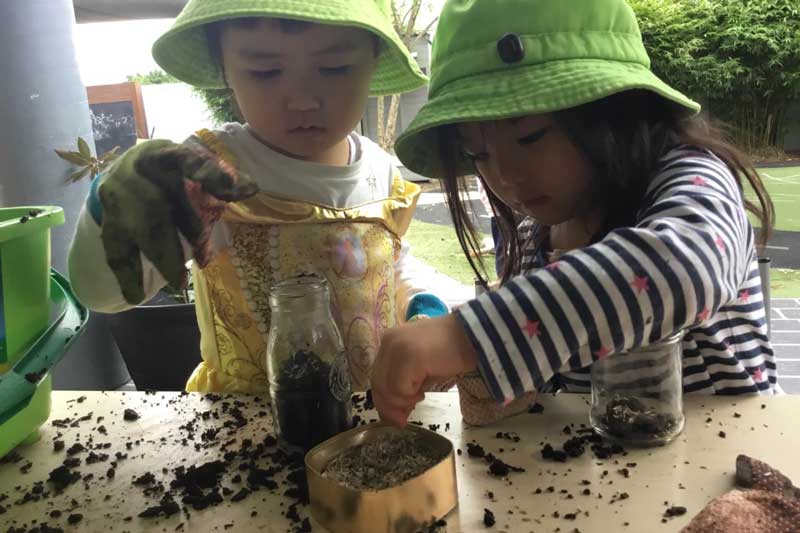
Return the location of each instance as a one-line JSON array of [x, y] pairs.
[[160, 343]]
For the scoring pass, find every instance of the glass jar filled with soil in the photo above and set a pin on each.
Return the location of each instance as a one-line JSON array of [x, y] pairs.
[[309, 380], [637, 396]]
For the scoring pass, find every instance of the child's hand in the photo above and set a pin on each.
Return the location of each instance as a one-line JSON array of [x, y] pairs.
[[414, 356], [154, 190]]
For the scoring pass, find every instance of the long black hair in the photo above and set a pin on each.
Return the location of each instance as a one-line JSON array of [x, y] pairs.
[[624, 137]]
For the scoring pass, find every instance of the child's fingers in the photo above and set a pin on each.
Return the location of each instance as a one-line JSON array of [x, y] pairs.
[[394, 409], [392, 413]]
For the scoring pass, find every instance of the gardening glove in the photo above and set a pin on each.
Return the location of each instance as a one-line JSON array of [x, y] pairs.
[[150, 194], [770, 503], [478, 408]]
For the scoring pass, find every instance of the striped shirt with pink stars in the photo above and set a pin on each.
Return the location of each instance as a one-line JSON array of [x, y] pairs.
[[689, 264]]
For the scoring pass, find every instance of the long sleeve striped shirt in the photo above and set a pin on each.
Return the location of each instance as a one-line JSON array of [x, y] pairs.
[[688, 265]]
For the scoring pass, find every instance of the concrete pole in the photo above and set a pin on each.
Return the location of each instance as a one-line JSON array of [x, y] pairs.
[[43, 106]]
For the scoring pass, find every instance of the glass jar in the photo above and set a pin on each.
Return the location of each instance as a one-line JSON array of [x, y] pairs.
[[637, 396], [306, 364]]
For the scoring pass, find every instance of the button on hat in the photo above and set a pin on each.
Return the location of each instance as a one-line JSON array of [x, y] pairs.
[[510, 48]]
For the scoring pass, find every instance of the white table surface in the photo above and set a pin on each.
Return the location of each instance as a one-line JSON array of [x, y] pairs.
[[694, 469]]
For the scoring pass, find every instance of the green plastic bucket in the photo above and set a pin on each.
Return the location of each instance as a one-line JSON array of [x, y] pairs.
[[24, 277], [39, 320]]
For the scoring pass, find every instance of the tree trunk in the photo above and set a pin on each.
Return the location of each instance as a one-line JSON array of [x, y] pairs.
[[380, 120], [391, 124]]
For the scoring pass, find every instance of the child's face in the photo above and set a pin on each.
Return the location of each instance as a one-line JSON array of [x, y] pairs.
[[531, 165], [304, 91]]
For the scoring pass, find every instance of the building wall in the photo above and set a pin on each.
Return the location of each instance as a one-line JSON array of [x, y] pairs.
[[174, 111]]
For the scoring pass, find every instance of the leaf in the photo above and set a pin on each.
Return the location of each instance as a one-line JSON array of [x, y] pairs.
[[83, 148], [73, 157], [110, 155], [79, 175]]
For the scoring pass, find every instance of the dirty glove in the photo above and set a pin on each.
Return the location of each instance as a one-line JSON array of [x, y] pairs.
[[155, 190], [478, 408], [770, 503]]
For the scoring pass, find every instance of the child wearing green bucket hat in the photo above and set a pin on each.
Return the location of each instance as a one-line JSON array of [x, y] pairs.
[[636, 223], [290, 191]]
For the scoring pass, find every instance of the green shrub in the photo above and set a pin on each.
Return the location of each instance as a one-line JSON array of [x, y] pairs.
[[741, 58]]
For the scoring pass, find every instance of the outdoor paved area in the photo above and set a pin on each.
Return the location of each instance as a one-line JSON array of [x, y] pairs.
[[785, 324]]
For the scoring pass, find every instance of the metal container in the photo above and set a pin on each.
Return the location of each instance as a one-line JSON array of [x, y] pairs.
[[407, 507]]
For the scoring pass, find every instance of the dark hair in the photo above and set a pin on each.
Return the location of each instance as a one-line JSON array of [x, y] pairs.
[[623, 136], [214, 34]]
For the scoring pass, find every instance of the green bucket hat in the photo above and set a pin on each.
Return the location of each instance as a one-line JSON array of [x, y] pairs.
[[494, 60], [183, 50]]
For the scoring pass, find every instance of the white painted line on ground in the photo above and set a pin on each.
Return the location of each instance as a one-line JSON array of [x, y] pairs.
[[781, 376], [786, 331], [781, 316], [782, 179], [789, 359], [778, 248], [787, 345]]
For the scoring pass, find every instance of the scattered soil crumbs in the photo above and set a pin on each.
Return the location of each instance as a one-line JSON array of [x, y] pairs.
[[496, 466], [513, 437], [62, 477], [576, 446], [488, 518], [674, 510], [239, 467], [386, 462]]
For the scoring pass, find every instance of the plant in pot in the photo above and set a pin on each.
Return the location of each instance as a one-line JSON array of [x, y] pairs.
[[160, 339]]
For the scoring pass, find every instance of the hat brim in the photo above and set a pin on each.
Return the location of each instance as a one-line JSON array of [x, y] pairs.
[[541, 88], [183, 51]]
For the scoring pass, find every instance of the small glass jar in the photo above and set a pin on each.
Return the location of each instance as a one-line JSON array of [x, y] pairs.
[[637, 396], [306, 364]]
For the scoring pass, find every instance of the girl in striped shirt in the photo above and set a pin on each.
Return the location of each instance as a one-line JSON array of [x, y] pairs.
[[636, 227]]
